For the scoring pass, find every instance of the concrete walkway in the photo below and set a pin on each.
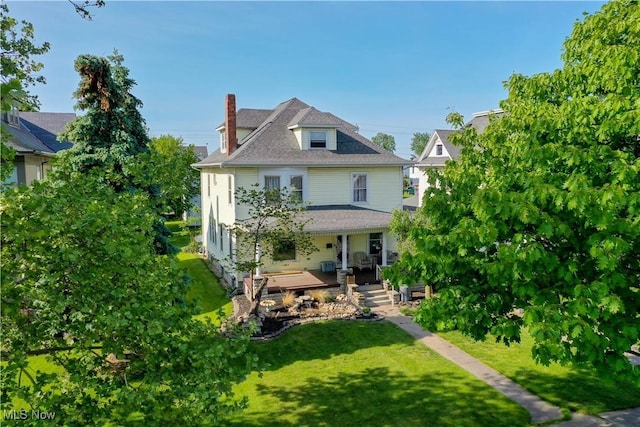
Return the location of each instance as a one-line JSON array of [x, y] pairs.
[[540, 411]]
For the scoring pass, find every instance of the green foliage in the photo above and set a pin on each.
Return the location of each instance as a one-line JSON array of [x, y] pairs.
[[170, 165], [542, 211], [418, 142], [274, 216], [18, 72], [111, 137], [17, 48], [81, 281], [384, 140]]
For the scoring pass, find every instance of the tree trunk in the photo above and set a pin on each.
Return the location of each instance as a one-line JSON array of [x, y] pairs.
[[255, 303]]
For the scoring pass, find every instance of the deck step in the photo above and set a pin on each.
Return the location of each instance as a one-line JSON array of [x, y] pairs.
[[374, 295]]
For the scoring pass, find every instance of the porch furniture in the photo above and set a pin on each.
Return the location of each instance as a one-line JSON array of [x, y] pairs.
[[327, 266], [391, 257], [362, 260]]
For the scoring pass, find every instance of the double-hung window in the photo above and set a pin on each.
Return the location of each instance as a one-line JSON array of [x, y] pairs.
[[359, 183], [272, 188], [318, 139], [295, 189]]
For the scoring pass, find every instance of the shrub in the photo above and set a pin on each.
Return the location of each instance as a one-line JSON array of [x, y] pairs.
[[321, 296], [289, 299]]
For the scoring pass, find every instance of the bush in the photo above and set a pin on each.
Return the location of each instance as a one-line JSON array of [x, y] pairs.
[[321, 296], [289, 299]]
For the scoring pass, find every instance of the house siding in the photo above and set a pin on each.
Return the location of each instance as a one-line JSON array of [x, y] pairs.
[[332, 186]]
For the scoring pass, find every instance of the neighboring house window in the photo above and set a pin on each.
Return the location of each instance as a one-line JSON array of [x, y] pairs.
[[230, 189], [230, 237], [215, 179], [438, 149], [284, 250], [296, 187], [318, 139], [223, 141], [209, 184], [375, 243], [359, 187]]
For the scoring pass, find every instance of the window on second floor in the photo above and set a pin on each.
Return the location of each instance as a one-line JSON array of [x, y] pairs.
[[359, 181], [272, 188], [438, 149], [295, 188], [230, 189], [318, 139]]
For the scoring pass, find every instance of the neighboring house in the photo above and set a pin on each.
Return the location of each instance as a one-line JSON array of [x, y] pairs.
[[349, 185], [193, 216], [34, 138], [439, 149]]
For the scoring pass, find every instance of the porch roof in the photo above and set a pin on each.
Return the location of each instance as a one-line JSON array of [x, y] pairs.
[[339, 219]]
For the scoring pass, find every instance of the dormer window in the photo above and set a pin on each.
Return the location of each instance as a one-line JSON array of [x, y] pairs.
[[318, 139], [438, 149]]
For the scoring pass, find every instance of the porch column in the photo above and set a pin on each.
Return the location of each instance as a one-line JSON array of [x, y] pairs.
[[258, 256], [344, 251], [384, 248]]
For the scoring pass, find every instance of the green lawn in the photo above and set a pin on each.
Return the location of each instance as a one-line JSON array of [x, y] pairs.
[[205, 287], [345, 373], [572, 389]]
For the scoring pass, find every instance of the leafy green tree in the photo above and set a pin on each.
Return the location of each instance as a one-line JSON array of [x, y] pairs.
[[83, 287], [275, 217], [110, 136], [418, 142], [542, 211], [171, 170], [19, 71], [384, 140]]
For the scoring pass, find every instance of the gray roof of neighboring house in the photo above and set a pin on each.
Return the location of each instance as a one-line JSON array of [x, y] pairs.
[[272, 143], [47, 126], [480, 121], [443, 136], [249, 118], [38, 132], [201, 151]]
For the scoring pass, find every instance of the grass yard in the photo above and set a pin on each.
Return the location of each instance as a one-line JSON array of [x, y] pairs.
[[205, 287], [345, 373], [568, 388]]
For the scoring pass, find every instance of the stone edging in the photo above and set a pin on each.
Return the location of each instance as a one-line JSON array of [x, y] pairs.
[[290, 323]]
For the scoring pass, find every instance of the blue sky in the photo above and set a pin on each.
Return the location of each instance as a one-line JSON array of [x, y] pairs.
[[392, 67]]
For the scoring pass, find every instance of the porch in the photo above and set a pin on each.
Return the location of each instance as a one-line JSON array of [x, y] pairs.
[[308, 280]]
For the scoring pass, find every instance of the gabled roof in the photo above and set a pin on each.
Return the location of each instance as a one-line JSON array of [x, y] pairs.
[[248, 118], [38, 132], [201, 151], [479, 121], [441, 135], [273, 143]]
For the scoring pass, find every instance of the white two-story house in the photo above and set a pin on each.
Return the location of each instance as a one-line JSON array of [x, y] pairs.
[[439, 149], [348, 184]]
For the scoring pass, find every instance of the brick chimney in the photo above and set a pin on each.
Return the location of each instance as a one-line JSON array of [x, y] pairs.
[[230, 124]]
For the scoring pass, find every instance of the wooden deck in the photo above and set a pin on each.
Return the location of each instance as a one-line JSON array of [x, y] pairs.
[[306, 280]]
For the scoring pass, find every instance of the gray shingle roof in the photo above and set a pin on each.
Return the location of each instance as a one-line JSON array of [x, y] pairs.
[[443, 136], [249, 118], [480, 121], [272, 143], [201, 151], [343, 219], [38, 132], [47, 126]]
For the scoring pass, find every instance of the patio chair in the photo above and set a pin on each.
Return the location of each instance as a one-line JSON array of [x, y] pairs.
[[362, 261]]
